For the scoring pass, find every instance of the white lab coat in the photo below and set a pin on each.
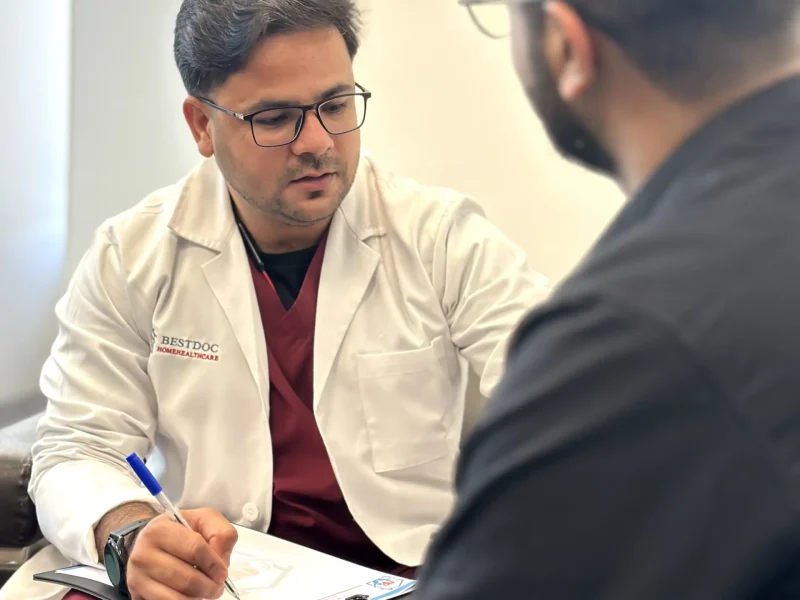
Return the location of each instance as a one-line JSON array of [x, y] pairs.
[[416, 288]]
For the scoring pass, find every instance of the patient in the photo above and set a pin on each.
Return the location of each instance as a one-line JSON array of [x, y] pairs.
[[645, 442]]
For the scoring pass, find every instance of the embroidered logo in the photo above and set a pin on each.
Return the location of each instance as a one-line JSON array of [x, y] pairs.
[[185, 347]]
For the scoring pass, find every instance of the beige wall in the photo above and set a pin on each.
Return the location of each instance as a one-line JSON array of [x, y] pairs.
[[448, 110], [128, 133], [34, 104]]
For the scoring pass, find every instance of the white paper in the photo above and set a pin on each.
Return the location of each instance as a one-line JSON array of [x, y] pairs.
[[267, 568], [250, 573], [93, 573], [382, 588]]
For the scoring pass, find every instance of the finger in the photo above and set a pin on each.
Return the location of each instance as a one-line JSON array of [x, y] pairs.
[[215, 529], [190, 547], [154, 590], [173, 573]]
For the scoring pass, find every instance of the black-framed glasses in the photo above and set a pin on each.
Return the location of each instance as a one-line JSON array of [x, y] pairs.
[[492, 16], [281, 126]]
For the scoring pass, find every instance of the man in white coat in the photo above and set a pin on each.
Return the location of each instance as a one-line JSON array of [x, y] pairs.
[[287, 332]]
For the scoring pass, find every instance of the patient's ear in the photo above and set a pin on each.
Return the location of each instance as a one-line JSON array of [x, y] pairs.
[[569, 50]]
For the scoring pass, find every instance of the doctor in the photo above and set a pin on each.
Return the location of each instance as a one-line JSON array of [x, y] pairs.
[[289, 326]]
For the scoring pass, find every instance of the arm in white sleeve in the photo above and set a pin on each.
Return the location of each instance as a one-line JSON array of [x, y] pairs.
[[486, 286], [101, 407]]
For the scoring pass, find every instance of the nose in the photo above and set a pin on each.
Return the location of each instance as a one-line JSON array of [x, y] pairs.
[[313, 138]]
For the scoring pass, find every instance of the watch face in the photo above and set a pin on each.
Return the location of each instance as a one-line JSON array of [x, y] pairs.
[[113, 563], [116, 553]]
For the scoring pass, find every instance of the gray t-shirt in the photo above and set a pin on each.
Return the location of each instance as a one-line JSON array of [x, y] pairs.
[[645, 442]]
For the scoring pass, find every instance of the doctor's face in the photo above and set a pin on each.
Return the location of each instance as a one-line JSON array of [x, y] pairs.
[[305, 181]]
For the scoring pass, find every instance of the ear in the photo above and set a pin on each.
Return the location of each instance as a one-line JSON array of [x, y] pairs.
[[197, 117], [570, 50]]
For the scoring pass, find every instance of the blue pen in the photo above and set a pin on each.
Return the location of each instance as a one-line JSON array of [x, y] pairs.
[[152, 485]]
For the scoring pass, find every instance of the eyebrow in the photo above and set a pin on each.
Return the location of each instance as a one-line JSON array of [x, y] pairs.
[[266, 104]]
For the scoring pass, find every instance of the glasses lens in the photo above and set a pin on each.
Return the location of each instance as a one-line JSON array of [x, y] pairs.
[[343, 114], [276, 126], [492, 19]]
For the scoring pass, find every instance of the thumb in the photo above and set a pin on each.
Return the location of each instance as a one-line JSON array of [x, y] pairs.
[[220, 535]]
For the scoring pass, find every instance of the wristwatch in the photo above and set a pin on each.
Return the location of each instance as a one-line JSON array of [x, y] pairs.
[[115, 554]]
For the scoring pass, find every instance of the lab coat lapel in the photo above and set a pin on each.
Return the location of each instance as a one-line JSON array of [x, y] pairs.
[[203, 215], [228, 275], [347, 269]]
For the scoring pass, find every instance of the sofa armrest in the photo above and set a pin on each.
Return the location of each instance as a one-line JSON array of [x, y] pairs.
[[18, 527]]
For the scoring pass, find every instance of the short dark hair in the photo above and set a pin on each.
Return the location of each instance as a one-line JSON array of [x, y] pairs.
[[691, 47], [215, 38]]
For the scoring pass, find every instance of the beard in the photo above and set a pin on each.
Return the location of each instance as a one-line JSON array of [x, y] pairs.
[[271, 199], [566, 131]]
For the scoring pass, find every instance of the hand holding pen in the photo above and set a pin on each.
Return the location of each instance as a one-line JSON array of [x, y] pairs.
[[180, 555]]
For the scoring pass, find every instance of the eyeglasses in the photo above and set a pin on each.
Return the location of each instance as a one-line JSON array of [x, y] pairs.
[[282, 126], [493, 19], [491, 16]]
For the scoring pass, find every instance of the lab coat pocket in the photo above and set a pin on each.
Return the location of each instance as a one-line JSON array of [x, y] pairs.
[[406, 398]]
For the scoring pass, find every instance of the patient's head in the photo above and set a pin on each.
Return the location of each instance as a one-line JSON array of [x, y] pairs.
[[579, 58]]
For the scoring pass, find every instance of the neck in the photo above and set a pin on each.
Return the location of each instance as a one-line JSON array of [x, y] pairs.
[[276, 237], [644, 139]]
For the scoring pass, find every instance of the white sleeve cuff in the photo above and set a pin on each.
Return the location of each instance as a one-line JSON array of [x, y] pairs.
[[73, 496]]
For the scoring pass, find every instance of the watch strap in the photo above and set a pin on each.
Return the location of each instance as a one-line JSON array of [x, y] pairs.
[[133, 527]]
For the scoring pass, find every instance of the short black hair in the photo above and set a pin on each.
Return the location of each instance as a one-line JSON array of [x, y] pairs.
[[214, 39], [693, 47]]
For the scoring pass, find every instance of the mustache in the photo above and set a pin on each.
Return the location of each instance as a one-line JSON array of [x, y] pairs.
[[313, 163]]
